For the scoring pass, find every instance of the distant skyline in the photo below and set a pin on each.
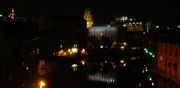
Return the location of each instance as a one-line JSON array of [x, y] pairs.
[[102, 9]]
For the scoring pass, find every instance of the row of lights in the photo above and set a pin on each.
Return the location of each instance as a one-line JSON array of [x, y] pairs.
[[71, 51], [149, 52], [157, 27], [101, 78], [145, 70], [113, 64]]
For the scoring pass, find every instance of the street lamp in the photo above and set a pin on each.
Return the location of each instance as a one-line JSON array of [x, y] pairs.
[[42, 84]]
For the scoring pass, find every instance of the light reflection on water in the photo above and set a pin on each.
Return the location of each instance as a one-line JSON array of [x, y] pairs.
[[108, 78]]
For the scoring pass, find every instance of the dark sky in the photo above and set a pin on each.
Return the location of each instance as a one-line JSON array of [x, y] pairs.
[[102, 9]]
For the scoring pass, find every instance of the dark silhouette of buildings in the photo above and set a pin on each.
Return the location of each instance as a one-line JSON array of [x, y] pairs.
[[17, 64], [58, 32]]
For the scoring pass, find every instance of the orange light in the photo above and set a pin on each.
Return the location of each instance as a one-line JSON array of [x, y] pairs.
[[65, 54], [42, 84], [83, 62], [83, 51]]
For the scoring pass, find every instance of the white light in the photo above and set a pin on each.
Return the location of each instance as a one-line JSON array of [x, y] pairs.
[[74, 65], [75, 45], [150, 53], [139, 84], [101, 46], [150, 79], [133, 58], [122, 47], [157, 26], [61, 46], [124, 64], [122, 61], [12, 10], [74, 50], [69, 50], [152, 84], [124, 25], [140, 23], [27, 68], [143, 71], [101, 78], [153, 56], [130, 19], [178, 26], [144, 33], [125, 43], [101, 34], [133, 48], [1, 15]]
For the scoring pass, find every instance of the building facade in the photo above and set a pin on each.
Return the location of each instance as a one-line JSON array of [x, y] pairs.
[[107, 31], [168, 53], [168, 60], [131, 23]]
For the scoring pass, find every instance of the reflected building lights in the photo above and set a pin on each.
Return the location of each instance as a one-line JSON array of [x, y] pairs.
[[101, 78]]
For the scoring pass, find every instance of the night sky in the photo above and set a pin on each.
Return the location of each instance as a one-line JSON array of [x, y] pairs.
[[102, 9]]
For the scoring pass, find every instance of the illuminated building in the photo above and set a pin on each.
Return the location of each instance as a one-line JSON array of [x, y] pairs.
[[12, 14], [100, 31], [62, 33], [168, 59], [168, 54], [89, 18], [131, 24], [18, 63]]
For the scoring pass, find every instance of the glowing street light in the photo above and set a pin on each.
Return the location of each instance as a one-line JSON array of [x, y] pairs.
[[122, 47], [74, 50], [83, 62], [153, 56], [157, 26], [122, 61], [152, 84], [42, 84], [83, 51]]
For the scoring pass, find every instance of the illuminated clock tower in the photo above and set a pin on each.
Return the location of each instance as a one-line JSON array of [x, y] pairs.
[[12, 14], [89, 18]]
